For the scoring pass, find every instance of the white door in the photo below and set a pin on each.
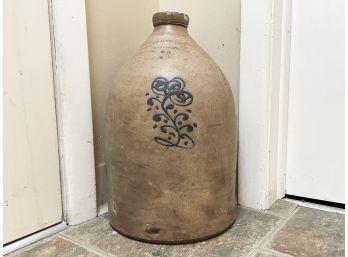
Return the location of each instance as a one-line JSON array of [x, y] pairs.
[[315, 154], [32, 194]]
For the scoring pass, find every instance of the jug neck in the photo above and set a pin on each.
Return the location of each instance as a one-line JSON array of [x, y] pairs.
[[169, 29]]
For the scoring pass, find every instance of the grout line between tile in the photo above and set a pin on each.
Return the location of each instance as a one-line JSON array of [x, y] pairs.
[[258, 246], [279, 254], [88, 247], [281, 216]]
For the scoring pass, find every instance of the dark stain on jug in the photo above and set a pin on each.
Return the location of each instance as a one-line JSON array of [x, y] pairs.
[[153, 230]]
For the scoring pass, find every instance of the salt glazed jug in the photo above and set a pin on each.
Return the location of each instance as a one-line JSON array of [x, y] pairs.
[[171, 140]]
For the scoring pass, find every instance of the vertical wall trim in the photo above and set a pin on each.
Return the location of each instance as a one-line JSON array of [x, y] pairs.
[[284, 96], [261, 102], [74, 112]]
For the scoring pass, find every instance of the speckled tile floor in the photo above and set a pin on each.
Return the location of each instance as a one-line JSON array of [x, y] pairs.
[[282, 231]]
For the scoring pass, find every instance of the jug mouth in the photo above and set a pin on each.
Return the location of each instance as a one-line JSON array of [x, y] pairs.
[[170, 18]]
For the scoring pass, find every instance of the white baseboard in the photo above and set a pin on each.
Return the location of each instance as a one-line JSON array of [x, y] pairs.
[[25, 241], [316, 206]]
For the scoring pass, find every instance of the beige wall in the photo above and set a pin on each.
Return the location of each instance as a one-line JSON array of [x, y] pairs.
[[215, 25], [117, 28]]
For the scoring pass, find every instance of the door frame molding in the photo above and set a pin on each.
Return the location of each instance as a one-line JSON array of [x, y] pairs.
[[74, 109], [263, 101]]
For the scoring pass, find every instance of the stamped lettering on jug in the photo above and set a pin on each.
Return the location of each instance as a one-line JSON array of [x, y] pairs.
[[171, 104]]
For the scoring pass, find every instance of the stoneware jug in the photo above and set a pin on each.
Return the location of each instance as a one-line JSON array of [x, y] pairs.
[[171, 140]]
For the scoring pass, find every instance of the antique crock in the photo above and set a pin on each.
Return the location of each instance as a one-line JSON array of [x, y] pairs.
[[171, 140]]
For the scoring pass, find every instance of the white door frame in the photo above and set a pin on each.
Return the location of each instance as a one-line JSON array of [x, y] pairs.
[[74, 109], [263, 101]]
